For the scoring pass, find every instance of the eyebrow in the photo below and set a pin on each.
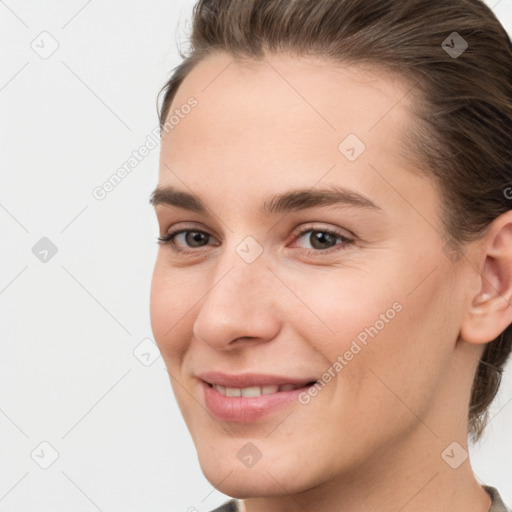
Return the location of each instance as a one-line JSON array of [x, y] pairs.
[[293, 200]]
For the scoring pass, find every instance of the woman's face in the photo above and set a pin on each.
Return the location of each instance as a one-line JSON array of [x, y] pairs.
[[285, 283]]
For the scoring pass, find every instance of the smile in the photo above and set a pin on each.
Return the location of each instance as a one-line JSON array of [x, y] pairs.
[[249, 398], [255, 391]]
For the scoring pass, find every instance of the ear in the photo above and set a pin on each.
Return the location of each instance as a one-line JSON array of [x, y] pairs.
[[490, 311]]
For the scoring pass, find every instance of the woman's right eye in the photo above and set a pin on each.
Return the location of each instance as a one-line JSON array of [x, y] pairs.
[[192, 237]]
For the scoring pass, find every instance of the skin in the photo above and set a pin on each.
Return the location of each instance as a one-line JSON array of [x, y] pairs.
[[372, 439]]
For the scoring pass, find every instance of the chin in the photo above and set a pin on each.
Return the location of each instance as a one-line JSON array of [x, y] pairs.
[[246, 484], [229, 475]]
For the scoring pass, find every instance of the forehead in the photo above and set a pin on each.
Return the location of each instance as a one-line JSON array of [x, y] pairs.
[[293, 100], [265, 123]]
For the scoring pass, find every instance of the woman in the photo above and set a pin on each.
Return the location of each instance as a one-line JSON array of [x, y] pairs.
[[332, 292]]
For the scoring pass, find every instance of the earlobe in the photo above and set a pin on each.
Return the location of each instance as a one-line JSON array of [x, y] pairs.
[[490, 311]]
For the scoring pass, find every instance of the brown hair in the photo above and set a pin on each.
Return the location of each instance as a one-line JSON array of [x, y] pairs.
[[463, 112]]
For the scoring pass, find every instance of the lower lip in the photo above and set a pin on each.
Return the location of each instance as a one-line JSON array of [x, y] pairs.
[[241, 409]]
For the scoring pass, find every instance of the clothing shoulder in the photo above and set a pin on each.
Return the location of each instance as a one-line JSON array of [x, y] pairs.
[[232, 506], [497, 502]]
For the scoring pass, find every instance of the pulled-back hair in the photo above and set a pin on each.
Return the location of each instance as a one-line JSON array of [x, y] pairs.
[[462, 107]]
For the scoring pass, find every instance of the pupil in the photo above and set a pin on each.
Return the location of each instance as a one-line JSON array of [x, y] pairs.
[[322, 238], [194, 236]]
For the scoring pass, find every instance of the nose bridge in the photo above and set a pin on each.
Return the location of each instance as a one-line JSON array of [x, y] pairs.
[[241, 270], [239, 302]]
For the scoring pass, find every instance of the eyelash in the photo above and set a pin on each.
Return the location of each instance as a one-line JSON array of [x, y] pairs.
[[169, 237]]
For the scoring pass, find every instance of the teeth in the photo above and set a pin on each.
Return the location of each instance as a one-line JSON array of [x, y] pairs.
[[255, 391], [269, 390]]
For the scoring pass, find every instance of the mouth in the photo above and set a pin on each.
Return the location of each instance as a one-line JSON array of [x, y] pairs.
[[250, 397], [255, 391]]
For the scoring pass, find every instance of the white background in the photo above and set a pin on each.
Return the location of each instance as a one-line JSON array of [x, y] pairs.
[[68, 327]]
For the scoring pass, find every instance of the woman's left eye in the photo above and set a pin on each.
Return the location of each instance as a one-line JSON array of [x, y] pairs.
[[322, 240]]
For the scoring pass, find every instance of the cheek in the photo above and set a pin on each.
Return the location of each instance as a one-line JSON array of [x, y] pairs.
[[382, 327], [336, 306], [404, 361], [168, 308]]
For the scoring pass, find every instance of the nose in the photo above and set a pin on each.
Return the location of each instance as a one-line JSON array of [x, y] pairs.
[[239, 306]]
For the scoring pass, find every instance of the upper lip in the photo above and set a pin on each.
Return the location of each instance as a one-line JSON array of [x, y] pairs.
[[247, 380]]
